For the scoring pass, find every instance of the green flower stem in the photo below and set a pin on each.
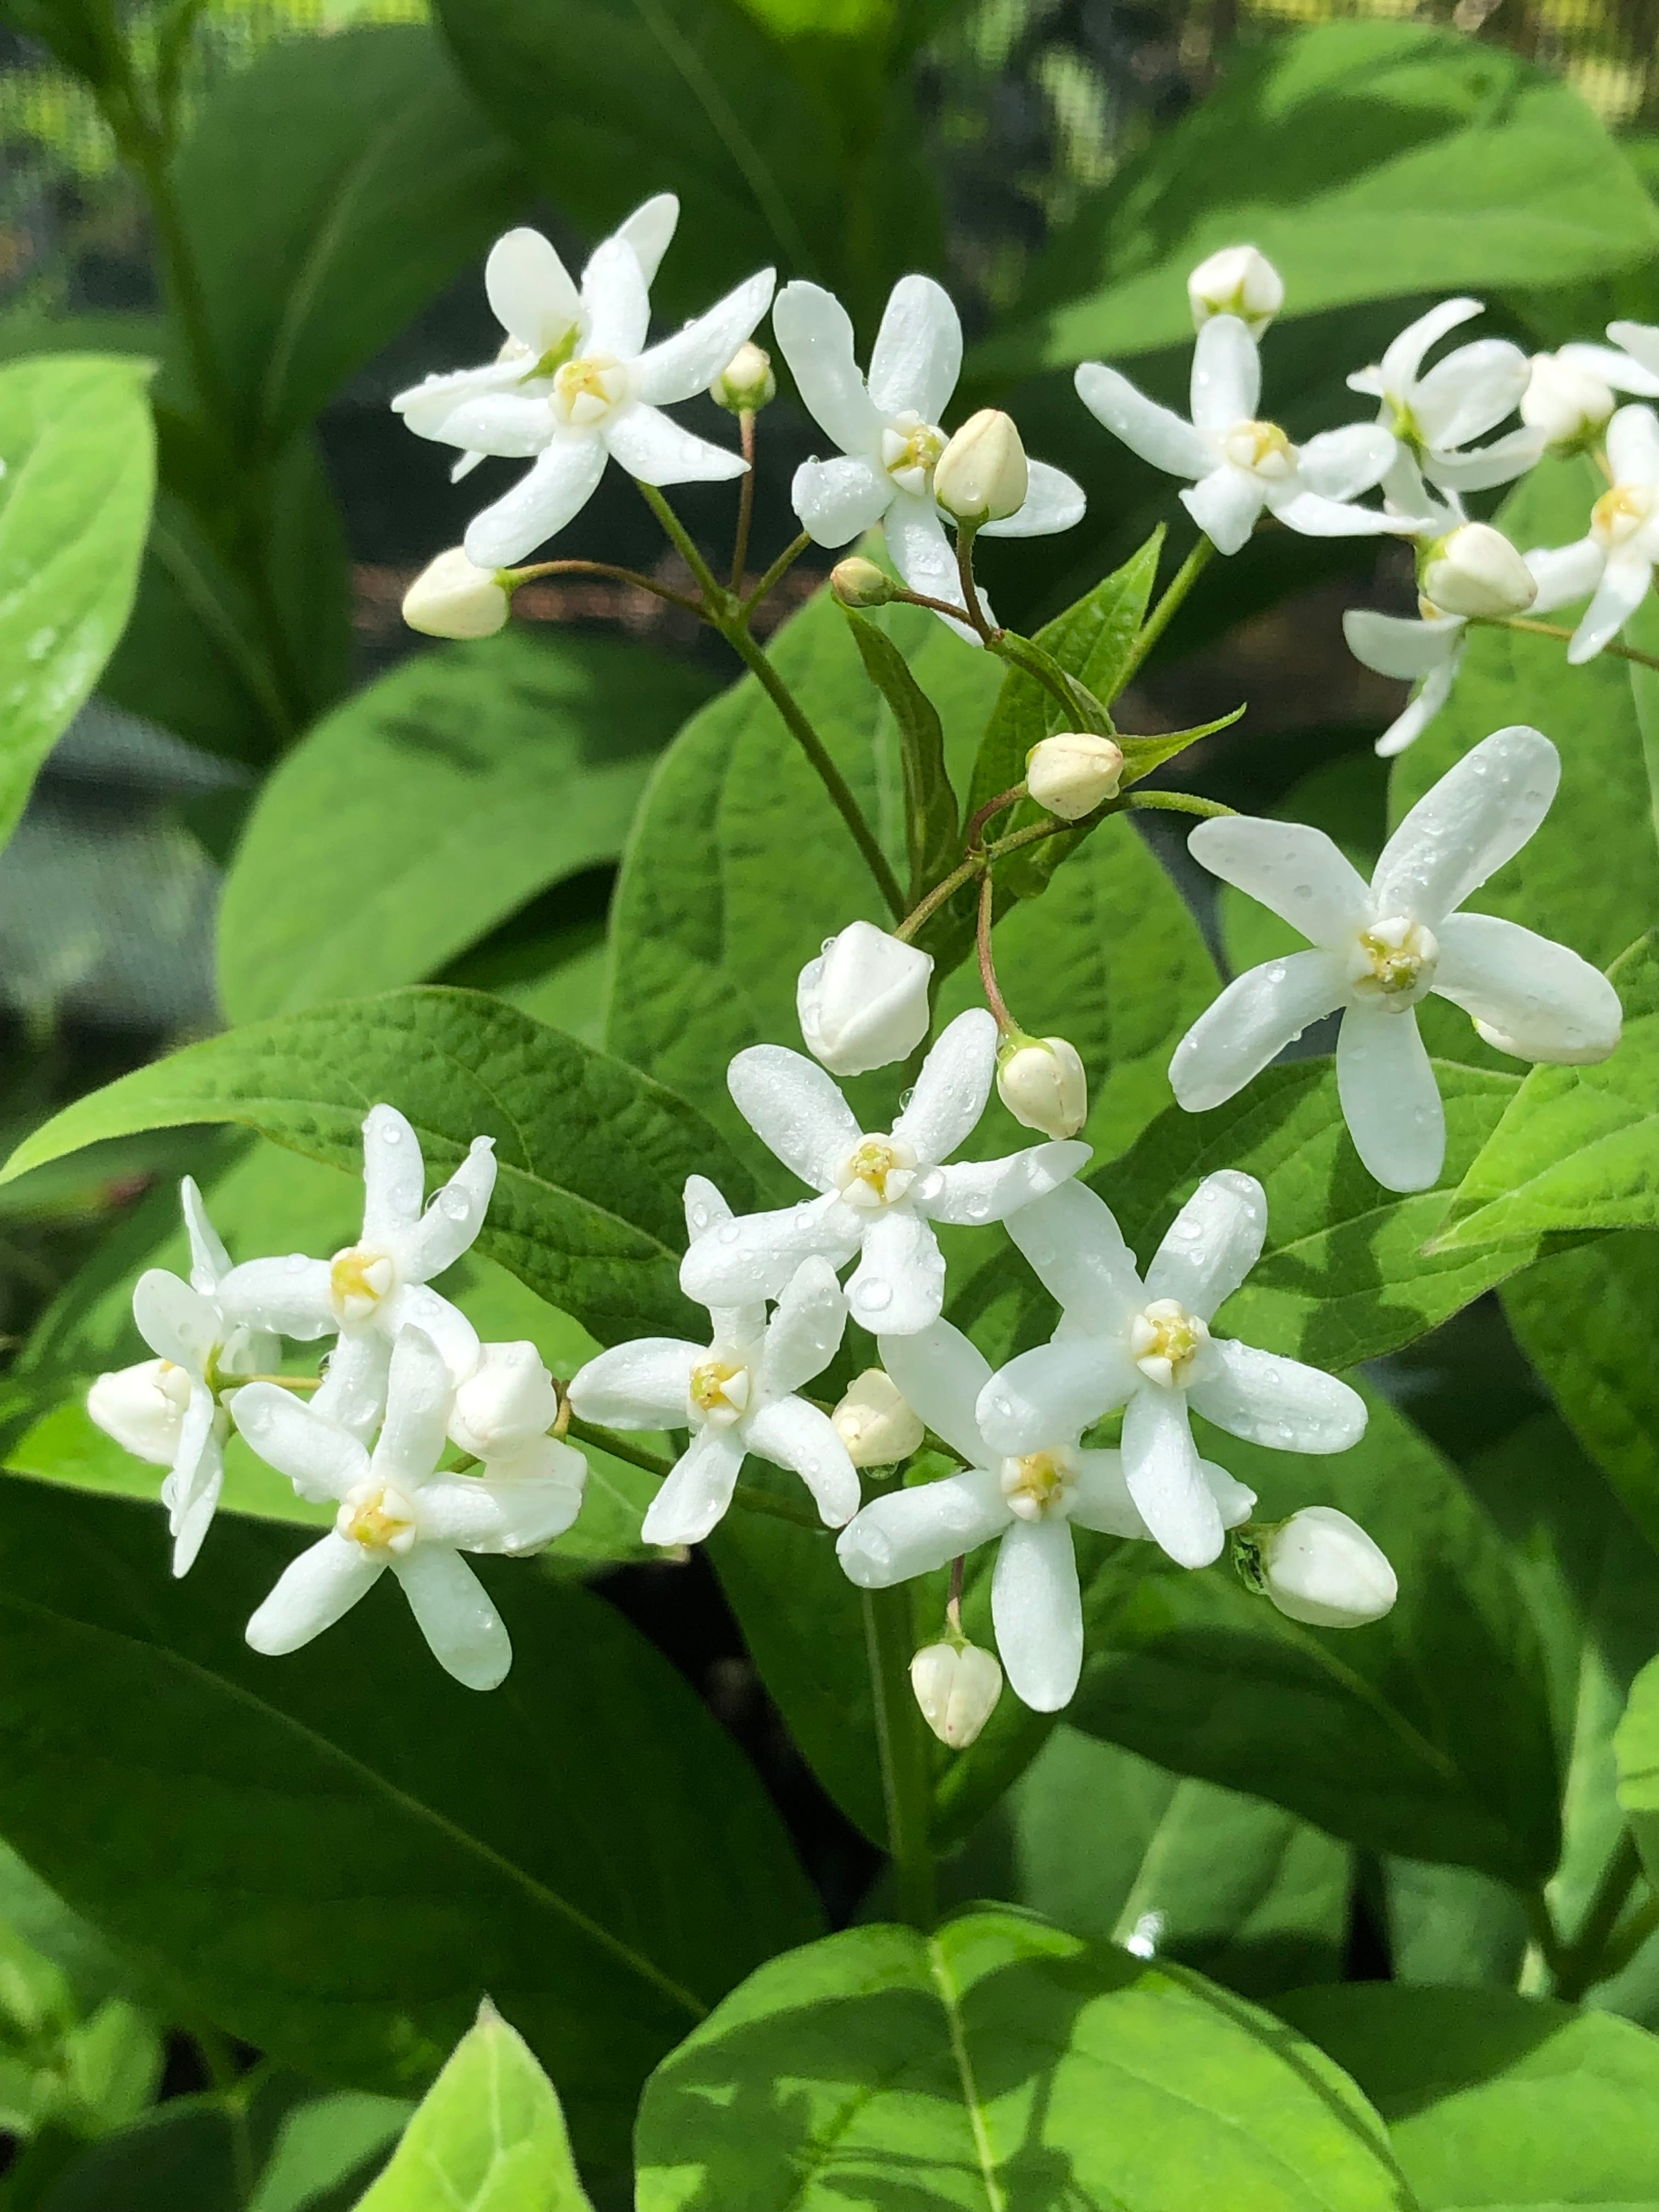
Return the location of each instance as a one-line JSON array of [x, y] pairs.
[[1583, 1962], [1616, 646], [1006, 1025], [1158, 621], [1168, 802], [745, 499], [902, 1745], [775, 575], [969, 587], [623, 1448], [540, 569]]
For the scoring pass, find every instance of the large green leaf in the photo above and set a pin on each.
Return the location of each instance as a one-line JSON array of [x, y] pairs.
[[337, 1853], [433, 804], [1495, 2099], [592, 1155], [76, 469], [1636, 1745], [1001, 2064], [1368, 160], [488, 2136], [1389, 1736]]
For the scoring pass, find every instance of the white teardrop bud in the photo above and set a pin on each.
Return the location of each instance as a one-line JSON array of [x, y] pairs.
[[982, 474], [1322, 1568], [1240, 281], [452, 596], [1073, 773], [857, 582], [957, 1689], [746, 384], [507, 1400], [142, 1407], [1042, 1083], [1475, 570], [863, 1002], [876, 1424], [1567, 399]]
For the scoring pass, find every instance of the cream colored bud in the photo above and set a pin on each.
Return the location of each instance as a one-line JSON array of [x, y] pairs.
[[1322, 1568], [983, 474], [877, 1425], [1567, 400], [863, 1002], [857, 582], [1238, 281], [1475, 570], [142, 1407], [957, 1689], [1072, 774], [452, 596], [746, 383], [507, 1400], [1042, 1083]]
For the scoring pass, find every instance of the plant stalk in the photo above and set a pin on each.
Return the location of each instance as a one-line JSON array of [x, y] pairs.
[[1158, 621], [901, 1744], [1616, 646]]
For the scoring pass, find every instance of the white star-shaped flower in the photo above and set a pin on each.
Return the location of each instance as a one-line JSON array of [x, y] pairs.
[[736, 1393], [580, 385], [1429, 652], [1430, 418], [1618, 555], [1381, 947], [1147, 1347], [398, 1510], [888, 430], [167, 1410], [877, 1194], [1238, 465], [1569, 393], [1025, 1500], [376, 1287]]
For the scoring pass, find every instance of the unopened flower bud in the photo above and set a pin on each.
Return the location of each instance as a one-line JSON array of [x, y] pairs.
[[1475, 570], [958, 1688], [452, 596], [857, 582], [142, 1407], [1320, 1568], [982, 474], [863, 1002], [1042, 1083], [1240, 281], [877, 1425], [1072, 774], [1567, 400], [507, 1400], [746, 383]]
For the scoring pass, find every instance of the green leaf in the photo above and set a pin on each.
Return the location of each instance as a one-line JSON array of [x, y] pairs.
[[1636, 1746], [76, 470], [1496, 2099], [415, 1845], [1578, 1148], [329, 191], [433, 804], [932, 832], [488, 2136], [182, 2153], [1000, 2063], [1367, 161], [324, 2148], [592, 1155], [1387, 1735], [1448, 1924]]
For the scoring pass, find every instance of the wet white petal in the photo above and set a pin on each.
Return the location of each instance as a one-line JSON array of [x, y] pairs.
[[393, 1174], [452, 1222], [1166, 1479], [973, 1191], [321, 1460], [1226, 381], [530, 290], [1498, 462], [796, 1108], [899, 1283], [176, 1321], [1626, 581], [1075, 1248], [917, 356], [1053, 501], [510, 1516], [313, 1592], [1404, 358], [1213, 1244], [1314, 517], [939, 1373], [952, 1090], [616, 300], [650, 230], [1634, 445], [1470, 391], [290, 1296], [793, 1434], [1055, 1391], [698, 1492], [805, 1329], [1479, 815], [1390, 1101], [1341, 463], [911, 1532], [552, 492], [1100, 1497], [688, 361], [1565, 573], [1409, 725], [1295, 870], [816, 334], [209, 1259], [418, 1305], [656, 450], [1036, 1607], [1550, 1003], [1258, 1014], [921, 553], [192, 1488], [755, 1256], [641, 1385], [1404, 649], [464, 1633], [419, 1391], [1270, 1400], [1155, 433], [1224, 504], [839, 500]]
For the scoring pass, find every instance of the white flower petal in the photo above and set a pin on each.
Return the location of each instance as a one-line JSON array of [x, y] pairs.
[[1479, 815], [641, 1385], [1640, 340], [394, 1175], [1565, 573], [1404, 358], [1211, 1244], [689, 361], [1341, 463], [1100, 1497], [1295, 870], [921, 552], [1552, 1005], [839, 500], [698, 1491], [1224, 504], [1404, 649], [1613, 364], [974, 1191], [452, 1222], [755, 1256], [1226, 386], [192, 1489], [816, 334], [1155, 433], [428, 407], [464, 1633], [509, 1516], [1266, 1399], [794, 1435], [617, 301], [1390, 1100], [1623, 586], [510, 426], [1634, 445], [1470, 391], [705, 1204], [1258, 1014], [176, 1321], [650, 230], [1073, 1244], [353, 1386], [899, 1285], [656, 450], [1498, 462], [209, 1259], [418, 1305], [1305, 513], [1053, 501], [313, 1592], [1234, 1502], [805, 1330], [530, 290], [940, 1374], [1166, 1477], [1409, 725], [550, 494], [1036, 1607], [1053, 1392], [917, 356], [796, 1110], [419, 1391], [911, 1532], [321, 1460], [952, 1090]]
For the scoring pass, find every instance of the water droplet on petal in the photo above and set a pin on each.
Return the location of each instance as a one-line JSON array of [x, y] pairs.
[[455, 1204], [1304, 891], [700, 1217], [1276, 974], [873, 1297], [295, 1263], [728, 1232], [905, 1097]]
